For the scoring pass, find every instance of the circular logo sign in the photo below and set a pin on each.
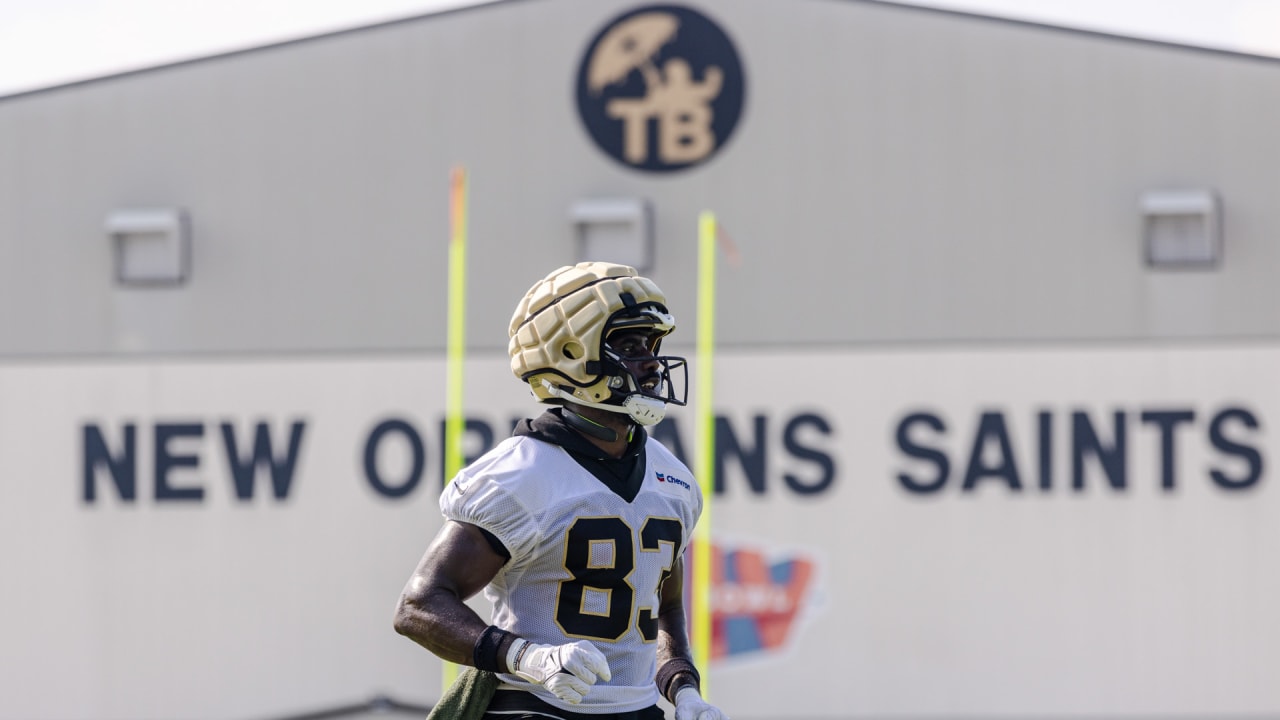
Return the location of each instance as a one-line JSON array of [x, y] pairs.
[[660, 88]]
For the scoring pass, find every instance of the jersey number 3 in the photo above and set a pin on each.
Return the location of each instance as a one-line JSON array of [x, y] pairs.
[[610, 578]]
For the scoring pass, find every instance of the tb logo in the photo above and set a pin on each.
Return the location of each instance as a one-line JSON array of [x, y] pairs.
[[660, 88]]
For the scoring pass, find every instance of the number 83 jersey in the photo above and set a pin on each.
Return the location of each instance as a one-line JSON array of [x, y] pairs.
[[586, 564]]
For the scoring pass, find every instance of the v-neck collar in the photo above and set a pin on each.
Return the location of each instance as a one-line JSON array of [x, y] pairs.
[[624, 475]]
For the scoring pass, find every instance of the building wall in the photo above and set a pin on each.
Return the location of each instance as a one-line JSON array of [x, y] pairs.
[[906, 175], [975, 456]]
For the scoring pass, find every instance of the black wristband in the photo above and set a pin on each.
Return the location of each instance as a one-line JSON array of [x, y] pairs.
[[485, 654], [668, 671]]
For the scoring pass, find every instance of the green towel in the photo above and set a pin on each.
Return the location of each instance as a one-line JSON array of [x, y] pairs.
[[468, 697]]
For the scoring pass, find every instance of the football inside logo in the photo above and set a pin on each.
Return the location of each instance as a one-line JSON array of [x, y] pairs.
[[660, 88]]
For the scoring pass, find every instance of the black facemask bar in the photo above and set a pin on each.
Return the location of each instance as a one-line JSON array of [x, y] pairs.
[[671, 373]]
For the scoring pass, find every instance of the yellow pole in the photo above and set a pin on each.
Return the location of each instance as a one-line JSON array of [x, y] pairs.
[[456, 345], [706, 445]]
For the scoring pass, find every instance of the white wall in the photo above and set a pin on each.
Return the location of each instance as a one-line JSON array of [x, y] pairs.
[[950, 603]]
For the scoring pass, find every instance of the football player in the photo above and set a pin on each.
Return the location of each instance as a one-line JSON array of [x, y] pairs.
[[575, 526]]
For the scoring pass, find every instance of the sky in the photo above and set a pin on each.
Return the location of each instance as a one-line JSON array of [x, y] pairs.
[[44, 43]]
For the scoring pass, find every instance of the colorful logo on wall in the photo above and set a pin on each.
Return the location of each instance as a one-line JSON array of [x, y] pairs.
[[661, 88], [758, 599]]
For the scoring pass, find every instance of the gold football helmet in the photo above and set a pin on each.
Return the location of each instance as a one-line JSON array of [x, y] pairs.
[[559, 341]]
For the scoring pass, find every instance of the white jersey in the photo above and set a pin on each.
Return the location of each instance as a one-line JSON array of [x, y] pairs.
[[585, 563]]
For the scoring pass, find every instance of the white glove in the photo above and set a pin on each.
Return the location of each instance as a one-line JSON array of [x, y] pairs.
[[691, 706], [569, 671]]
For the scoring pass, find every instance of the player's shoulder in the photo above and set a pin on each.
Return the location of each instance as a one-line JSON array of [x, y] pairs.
[[672, 476], [514, 465], [515, 452], [661, 456], [506, 491]]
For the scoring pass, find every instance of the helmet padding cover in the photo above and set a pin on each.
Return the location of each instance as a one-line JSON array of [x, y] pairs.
[[557, 331]]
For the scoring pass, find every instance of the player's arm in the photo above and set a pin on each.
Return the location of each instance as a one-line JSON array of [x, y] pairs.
[[432, 610], [673, 636], [677, 677]]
